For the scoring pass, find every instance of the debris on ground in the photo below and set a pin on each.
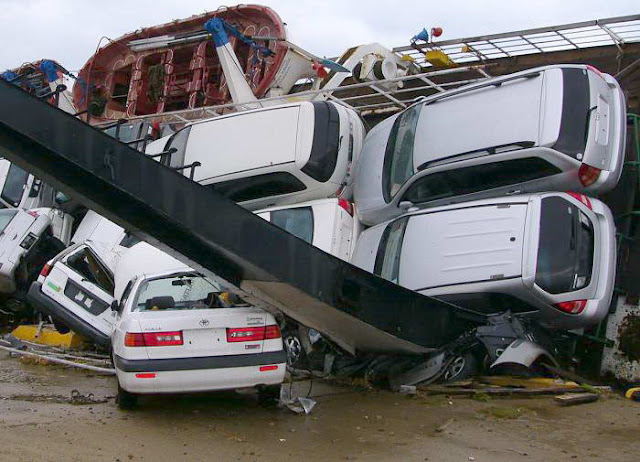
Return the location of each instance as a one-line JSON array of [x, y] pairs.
[[298, 404], [486, 387], [75, 398], [38, 354], [576, 398]]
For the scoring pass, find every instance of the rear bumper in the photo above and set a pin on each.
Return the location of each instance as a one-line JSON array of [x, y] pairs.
[[49, 306], [200, 374]]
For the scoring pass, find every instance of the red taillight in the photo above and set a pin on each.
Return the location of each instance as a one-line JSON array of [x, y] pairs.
[[588, 174], [573, 307], [33, 214], [582, 198], [345, 204], [146, 375], [136, 339], [252, 334], [46, 269], [268, 368]]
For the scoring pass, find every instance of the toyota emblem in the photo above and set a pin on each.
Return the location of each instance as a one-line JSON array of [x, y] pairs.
[[204, 322]]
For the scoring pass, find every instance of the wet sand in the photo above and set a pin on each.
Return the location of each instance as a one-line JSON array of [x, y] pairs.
[[36, 424]]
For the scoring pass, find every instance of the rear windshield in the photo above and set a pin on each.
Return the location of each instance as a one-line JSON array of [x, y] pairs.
[[5, 217], [565, 252], [259, 186], [387, 263], [189, 291], [398, 156], [457, 182], [298, 221], [572, 139], [14, 185], [326, 142]]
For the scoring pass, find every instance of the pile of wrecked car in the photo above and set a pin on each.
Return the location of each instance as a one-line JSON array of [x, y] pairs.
[[480, 197]]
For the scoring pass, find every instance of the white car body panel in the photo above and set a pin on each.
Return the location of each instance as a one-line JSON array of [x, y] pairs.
[[334, 230]]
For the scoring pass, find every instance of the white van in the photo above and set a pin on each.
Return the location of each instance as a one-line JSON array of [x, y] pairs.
[[328, 224], [27, 240], [554, 128], [552, 253], [273, 156]]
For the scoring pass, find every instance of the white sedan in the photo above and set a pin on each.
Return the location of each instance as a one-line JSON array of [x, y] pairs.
[[178, 332]]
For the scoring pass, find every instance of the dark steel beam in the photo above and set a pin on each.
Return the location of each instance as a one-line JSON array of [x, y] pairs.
[[357, 310]]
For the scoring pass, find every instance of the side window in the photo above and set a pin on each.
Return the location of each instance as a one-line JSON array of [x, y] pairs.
[[298, 221], [14, 185], [488, 303], [125, 295], [89, 267], [456, 182], [256, 187], [387, 263], [129, 241]]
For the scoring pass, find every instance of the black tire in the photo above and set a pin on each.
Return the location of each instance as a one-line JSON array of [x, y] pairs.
[[126, 401], [61, 327], [463, 366], [296, 354], [269, 393]]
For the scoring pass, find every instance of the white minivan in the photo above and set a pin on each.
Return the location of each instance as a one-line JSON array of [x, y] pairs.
[[27, 240], [554, 128], [328, 224], [272, 156], [550, 253]]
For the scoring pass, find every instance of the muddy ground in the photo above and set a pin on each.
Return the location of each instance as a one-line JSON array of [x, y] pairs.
[[38, 424]]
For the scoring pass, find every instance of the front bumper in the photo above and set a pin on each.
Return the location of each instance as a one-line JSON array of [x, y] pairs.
[[186, 375], [49, 306]]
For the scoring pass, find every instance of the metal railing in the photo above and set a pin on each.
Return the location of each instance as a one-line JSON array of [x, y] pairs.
[[616, 32], [383, 95]]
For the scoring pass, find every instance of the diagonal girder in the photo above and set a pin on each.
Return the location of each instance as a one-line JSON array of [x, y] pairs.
[[355, 309]]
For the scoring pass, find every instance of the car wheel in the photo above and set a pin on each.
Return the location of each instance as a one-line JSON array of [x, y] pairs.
[[125, 400], [269, 393], [61, 327], [295, 350], [462, 367]]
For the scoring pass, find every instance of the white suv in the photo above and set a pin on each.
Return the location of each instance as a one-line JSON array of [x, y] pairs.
[[272, 156], [553, 253], [27, 240], [555, 128]]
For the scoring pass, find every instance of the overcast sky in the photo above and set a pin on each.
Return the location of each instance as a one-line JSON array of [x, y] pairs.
[[69, 30]]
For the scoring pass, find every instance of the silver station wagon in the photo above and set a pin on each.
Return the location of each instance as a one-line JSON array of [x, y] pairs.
[[556, 128]]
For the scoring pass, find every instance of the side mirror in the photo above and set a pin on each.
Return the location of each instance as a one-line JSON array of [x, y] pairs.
[[115, 306]]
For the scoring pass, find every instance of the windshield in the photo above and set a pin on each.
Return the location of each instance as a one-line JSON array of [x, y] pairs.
[[565, 252], [398, 157], [5, 217], [185, 291], [387, 263], [298, 221]]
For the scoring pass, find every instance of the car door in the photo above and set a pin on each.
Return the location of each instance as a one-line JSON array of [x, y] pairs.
[[83, 284]]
